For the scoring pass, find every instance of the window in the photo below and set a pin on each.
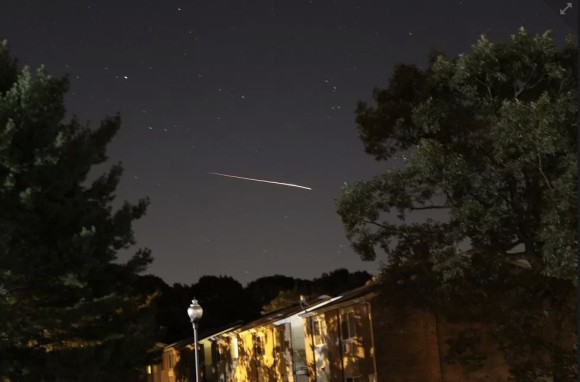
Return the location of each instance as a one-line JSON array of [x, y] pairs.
[[318, 330], [215, 349], [347, 325], [234, 348], [259, 345]]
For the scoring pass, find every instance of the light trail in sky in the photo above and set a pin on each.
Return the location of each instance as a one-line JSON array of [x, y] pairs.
[[262, 180]]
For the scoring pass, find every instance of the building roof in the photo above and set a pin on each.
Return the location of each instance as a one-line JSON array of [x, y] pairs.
[[280, 314], [212, 336], [352, 296], [189, 340]]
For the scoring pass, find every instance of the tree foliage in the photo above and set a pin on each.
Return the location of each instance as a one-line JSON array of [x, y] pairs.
[[284, 299], [69, 309], [491, 140], [332, 283], [222, 300]]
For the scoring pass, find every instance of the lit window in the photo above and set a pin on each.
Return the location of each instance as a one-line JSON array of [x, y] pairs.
[[259, 345], [347, 325], [234, 348], [318, 330]]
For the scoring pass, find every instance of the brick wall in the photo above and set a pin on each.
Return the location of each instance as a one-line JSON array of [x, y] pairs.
[[406, 345], [493, 367], [413, 346]]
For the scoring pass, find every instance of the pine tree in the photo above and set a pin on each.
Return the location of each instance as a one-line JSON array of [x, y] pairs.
[[69, 307]]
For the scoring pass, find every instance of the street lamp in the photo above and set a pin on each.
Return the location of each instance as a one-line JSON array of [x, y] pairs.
[[195, 312]]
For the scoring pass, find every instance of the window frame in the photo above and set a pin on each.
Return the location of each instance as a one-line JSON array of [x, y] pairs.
[[259, 344], [347, 324], [319, 330]]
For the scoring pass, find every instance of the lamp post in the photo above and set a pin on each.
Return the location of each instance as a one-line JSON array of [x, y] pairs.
[[195, 312]]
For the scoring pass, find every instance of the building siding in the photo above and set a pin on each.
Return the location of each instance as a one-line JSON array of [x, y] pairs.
[[356, 338]]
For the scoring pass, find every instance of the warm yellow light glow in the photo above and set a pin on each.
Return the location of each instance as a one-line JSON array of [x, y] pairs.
[[234, 348]]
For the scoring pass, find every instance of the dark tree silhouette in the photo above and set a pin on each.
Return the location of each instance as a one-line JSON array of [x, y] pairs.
[[491, 142], [69, 307]]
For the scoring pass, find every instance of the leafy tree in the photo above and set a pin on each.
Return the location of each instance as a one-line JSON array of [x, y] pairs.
[[332, 283], [491, 139], [284, 299], [222, 299], [261, 291], [339, 281], [172, 316], [68, 304]]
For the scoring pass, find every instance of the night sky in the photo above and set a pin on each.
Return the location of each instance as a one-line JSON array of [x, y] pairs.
[[260, 89]]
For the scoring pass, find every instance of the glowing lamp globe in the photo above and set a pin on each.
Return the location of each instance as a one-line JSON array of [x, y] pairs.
[[194, 311]]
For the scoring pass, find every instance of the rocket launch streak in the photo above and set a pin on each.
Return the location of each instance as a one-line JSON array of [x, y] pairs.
[[262, 180]]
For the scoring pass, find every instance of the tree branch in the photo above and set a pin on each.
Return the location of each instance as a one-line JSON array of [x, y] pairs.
[[485, 84], [564, 82], [539, 167], [430, 207], [374, 223]]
